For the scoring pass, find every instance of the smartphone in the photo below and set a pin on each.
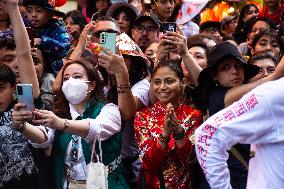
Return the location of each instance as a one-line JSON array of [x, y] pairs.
[[169, 27], [25, 95], [31, 34], [74, 35], [118, 1], [108, 41]]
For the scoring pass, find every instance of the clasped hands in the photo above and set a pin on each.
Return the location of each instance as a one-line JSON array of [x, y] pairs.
[[171, 122]]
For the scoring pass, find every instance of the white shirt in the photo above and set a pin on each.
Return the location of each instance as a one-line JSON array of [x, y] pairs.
[[107, 123], [141, 91], [258, 118]]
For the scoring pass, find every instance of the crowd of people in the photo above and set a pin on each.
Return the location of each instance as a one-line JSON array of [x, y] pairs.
[[169, 109]]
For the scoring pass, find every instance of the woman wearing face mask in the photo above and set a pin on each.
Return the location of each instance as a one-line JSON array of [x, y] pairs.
[[82, 114]]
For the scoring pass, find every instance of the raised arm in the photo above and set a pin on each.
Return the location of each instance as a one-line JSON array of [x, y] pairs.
[[23, 49], [75, 55], [190, 63], [244, 122], [236, 93], [115, 65]]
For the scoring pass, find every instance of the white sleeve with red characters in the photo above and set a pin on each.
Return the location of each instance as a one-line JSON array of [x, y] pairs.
[[252, 120]]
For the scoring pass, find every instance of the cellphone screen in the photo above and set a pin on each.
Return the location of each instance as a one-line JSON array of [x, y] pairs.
[[169, 27]]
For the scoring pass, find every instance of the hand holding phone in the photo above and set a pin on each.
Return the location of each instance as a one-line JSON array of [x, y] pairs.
[[108, 41], [25, 95]]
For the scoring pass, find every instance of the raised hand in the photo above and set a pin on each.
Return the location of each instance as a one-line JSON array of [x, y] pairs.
[[19, 116], [9, 4], [113, 63], [178, 40], [85, 39], [164, 48]]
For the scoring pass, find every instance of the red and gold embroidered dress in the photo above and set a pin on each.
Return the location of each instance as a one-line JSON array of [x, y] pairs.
[[174, 164]]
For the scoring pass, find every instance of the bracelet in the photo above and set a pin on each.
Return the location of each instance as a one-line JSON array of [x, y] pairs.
[[127, 86], [123, 88], [180, 135], [163, 139], [66, 125], [121, 91], [22, 128]]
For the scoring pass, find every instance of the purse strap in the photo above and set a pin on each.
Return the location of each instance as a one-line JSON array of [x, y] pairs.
[[100, 157], [238, 155]]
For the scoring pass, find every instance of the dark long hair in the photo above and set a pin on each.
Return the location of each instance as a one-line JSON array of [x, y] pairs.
[[131, 15], [61, 105], [243, 13], [77, 17]]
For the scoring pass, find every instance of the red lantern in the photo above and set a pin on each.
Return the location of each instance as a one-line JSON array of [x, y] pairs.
[[59, 3]]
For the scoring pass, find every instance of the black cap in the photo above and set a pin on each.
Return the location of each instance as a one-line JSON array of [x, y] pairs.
[[147, 16], [210, 24], [48, 5], [219, 52]]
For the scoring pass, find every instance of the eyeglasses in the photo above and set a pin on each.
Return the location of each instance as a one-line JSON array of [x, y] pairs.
[[98, 33], [149, 29]]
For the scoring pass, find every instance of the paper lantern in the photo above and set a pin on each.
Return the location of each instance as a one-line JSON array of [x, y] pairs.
[[59, 3], [221, 10], [207, 15]]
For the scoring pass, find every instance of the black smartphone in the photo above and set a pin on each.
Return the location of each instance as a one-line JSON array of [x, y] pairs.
[[31, 34], [169, 27]]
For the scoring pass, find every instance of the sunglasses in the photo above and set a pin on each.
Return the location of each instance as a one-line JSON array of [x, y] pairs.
[[97, 34]]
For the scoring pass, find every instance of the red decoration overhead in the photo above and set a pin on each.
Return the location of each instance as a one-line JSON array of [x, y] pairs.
[[59, 3]]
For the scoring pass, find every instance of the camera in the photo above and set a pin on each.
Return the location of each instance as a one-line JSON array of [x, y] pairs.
[[20, 90]]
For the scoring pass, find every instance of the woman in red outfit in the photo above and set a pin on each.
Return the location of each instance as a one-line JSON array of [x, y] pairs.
[[165, 131]]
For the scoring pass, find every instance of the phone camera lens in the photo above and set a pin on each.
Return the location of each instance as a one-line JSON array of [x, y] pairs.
[[20, 90]]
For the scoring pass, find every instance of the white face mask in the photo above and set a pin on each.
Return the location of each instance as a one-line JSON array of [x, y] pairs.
[[75, 90]]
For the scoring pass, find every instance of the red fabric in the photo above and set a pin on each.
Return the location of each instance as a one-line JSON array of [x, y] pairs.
[[174, 163], [275, 17]]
